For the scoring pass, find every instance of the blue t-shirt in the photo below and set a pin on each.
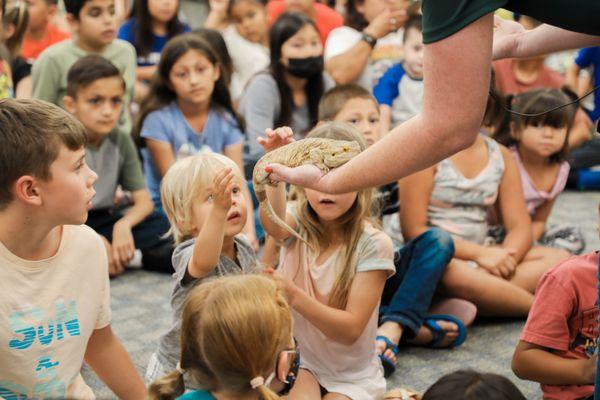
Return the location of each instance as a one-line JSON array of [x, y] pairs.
[[586, 58], [168, 125], [403, 93], [127, 32], [197, 395]]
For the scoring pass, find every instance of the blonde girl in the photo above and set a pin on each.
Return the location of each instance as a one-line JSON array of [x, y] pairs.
[[236, 342], [204, 201], [333, 286], [540, 146]]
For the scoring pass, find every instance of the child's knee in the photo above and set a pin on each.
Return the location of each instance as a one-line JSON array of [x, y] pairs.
[[439, 243]]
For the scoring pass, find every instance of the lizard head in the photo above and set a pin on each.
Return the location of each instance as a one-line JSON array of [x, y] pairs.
[[340, 152]]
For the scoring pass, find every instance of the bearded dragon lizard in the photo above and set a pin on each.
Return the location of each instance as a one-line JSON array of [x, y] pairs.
[[323, 153]]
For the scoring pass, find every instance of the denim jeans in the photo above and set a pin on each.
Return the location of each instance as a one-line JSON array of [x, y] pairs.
[[420, 265]]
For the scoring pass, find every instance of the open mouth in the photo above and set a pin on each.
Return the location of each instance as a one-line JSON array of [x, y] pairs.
[[233, 216], [326, 201]]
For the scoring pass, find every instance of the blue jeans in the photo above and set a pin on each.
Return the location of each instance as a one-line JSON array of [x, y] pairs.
[[420, 265]]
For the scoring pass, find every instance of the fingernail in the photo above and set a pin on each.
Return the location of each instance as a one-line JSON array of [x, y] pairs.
[[268, 169]]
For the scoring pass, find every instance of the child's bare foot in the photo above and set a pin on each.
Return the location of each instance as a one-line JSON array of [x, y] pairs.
[[426, 336], [393, 332]]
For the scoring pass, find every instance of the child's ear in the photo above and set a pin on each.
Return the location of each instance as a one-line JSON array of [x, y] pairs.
[[9, 30], [73, 22], [52, 10], [69, 103], [27, 191]]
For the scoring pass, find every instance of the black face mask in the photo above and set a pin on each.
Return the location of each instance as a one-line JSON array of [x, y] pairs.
[[305, 67]]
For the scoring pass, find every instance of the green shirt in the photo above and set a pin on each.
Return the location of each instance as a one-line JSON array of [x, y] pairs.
[[442, 18], [49, 72]]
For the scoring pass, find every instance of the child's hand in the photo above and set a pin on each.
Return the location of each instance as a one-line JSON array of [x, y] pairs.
[[287, 287], [123, 246], [113, 268], [221, 191], [498, 261], [276, 138]]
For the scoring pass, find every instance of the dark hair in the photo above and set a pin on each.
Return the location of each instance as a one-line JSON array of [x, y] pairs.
[[234, 2], [472, 385], [494, 109], [17, 16], [534, 102], [413, 22], [51, 2], [286, 26], [161, 93], [144, 36], [74, 7], [354, 18], [32, 133], [216, 41], [336, 98], [88, 70]]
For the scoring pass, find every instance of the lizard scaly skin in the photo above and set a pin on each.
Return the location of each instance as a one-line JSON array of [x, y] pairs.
[[325, 154]]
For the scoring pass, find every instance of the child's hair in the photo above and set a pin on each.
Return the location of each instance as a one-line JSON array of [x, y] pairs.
[[216, 41], [413, 22], [182, 184], [472, 385], [494, 108], [32, 133], [351, 224], [161, 92], [336, 98], [233, 329], [17, 16], [286, 26], [88, 70], [143, 27], [74, 7], [234, 2], [533, 102]]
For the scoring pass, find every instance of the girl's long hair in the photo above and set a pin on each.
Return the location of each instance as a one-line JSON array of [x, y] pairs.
[[161, 93], [143, 27], [350, 225], [534, 102], [286, 26], [17, 16], [233, 329]]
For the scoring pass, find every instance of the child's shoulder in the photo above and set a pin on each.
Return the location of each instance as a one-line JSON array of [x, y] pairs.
[[57, 50], [374, 239], [120, 48], [576, 269]]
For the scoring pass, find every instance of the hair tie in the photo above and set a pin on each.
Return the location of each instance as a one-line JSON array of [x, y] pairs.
[[256, 382], [179, 369]]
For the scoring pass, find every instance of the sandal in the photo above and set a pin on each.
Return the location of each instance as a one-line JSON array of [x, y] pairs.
[[389, 366], [439, 334], [401, 394]]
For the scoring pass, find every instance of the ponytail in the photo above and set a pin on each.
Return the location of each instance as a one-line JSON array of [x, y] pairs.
[[168, 387], [265, 393]]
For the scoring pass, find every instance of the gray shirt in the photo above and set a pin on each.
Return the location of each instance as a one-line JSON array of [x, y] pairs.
[[169, 348]]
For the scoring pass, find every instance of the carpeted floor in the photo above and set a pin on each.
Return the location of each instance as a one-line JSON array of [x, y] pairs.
[[141, 313]]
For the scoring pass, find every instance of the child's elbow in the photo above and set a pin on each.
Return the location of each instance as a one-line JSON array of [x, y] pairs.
[[517, 365], [350, 336]]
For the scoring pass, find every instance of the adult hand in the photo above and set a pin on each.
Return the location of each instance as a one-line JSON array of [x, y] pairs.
[[506, 38], [498, 261], [276, 138], [123, 246], [307, 176], [386, 22]]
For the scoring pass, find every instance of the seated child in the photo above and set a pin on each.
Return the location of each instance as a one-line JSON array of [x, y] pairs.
[[559, 341], [95, 91], [420, 263], [53, 270], [457, 195], [540, 146], [94, 26], [203, 198], [400, 90], [41, 33], [15, 23], [236, 339], [472, 385]]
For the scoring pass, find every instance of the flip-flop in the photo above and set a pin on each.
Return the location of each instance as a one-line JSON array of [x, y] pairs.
[[389, 366], [439, 334]]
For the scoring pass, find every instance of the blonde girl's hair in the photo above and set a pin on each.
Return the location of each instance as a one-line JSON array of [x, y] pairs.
[[351, 224], [183, 182], [17, 16], [233, 329]]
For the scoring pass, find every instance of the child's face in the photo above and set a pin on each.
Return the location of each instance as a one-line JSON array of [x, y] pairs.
[[413, 53], [236, 216], [67, 196], [98, 106], [305, 43], [39, 14], [163, 11], [330, 207], [364, 115], [542, 141], [96, 26], [250, 19], [193, 77]]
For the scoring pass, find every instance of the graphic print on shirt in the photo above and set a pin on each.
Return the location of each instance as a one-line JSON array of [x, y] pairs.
[[586, 338]]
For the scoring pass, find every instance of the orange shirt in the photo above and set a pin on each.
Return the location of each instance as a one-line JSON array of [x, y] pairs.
[[327, 19], [31, 49]]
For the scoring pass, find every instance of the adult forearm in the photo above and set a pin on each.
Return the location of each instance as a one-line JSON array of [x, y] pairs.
[[347, 67], [548, 39]]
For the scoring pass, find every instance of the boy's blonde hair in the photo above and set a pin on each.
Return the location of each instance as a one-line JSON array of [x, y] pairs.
[[183, 183], [233, 329], [336, 98], [351, 224]]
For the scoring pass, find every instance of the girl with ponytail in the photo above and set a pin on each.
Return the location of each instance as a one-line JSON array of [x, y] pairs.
[[236, 343]]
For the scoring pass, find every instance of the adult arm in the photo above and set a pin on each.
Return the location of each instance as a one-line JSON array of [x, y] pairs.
[[455, 94]]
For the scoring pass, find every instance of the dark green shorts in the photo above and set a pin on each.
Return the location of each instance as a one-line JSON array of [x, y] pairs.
[[442, 18]]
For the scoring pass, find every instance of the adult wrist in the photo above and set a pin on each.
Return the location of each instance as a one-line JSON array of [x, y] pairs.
[[369, 38]]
